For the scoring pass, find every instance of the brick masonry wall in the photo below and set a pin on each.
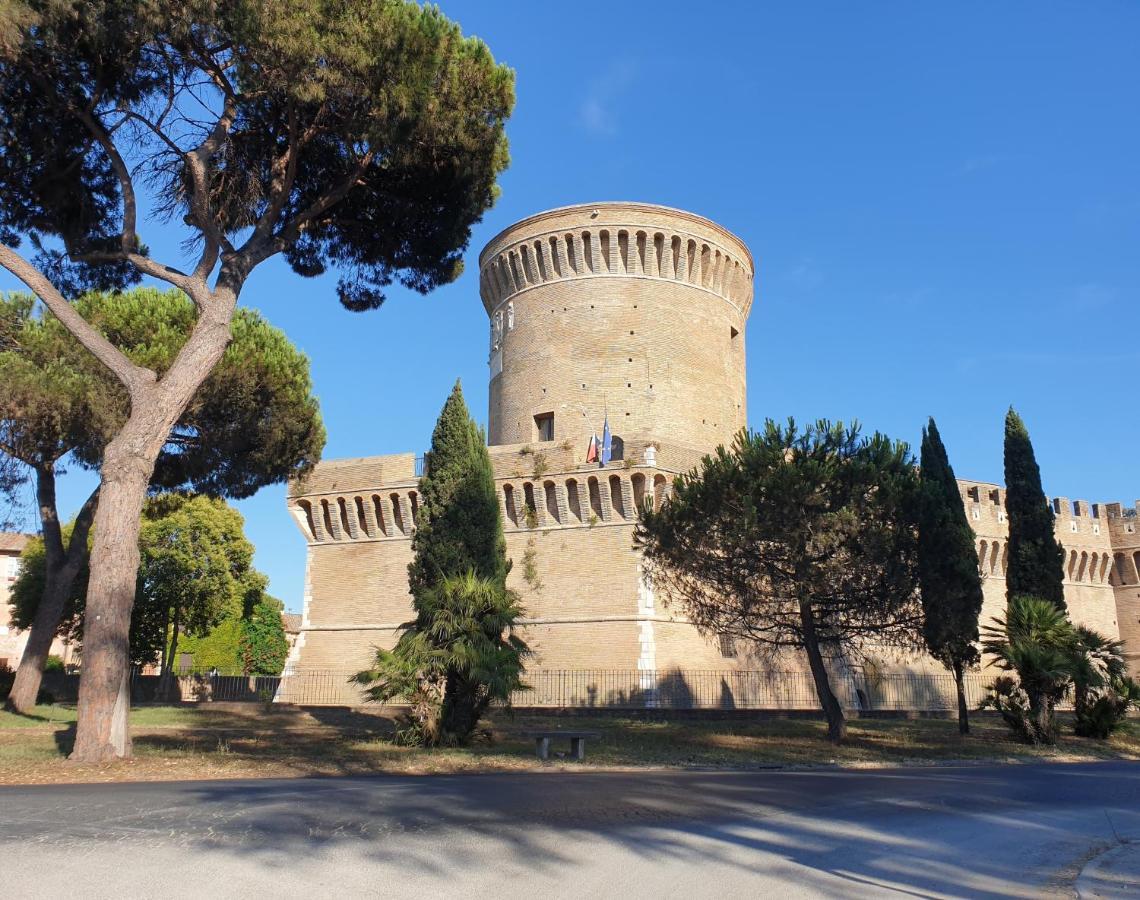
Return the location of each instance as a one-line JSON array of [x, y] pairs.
[[635, 310]]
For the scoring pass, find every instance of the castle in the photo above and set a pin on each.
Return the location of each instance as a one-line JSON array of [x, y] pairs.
[[634, 314]]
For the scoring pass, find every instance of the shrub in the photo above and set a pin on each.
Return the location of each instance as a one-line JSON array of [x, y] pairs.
[[7, 676], [54, 664], [1037, 642], [1012, 703]]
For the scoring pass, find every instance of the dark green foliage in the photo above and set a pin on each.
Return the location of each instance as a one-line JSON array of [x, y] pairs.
[[1036, 565], [795, 539], [459, 528], [264, 645], [1106, 713], [458, 657], [1102, 691], [947, 567], [365, 135], [1035, 640], [1050, 656], [461, 653]]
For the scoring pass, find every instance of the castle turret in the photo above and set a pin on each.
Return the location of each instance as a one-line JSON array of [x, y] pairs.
[[629, 309]]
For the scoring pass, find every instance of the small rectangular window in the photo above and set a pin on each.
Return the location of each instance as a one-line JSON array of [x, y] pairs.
[[727, 646], [544, 424]]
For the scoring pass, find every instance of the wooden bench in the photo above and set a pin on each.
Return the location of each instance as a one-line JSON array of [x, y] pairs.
[[542, 741]]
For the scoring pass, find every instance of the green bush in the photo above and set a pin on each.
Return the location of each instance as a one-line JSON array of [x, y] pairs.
[[7, 677], [54, 664], [1036, 642], [1012, 703], [1104, 715]]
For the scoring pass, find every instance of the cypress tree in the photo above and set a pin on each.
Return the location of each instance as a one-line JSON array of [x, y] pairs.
[[458, 528], [1036, 560], [947, 569], [460, 654]]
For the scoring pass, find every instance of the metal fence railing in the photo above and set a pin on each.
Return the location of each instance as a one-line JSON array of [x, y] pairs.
[[586, 688], [696, 689]]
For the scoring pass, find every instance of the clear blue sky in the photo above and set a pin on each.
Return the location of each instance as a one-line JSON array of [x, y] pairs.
[[943, 202]]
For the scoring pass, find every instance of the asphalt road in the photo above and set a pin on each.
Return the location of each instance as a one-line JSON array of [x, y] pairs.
[[966, 832]]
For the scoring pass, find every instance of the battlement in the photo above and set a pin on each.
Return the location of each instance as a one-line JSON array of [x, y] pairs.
[[616, 239], [622, 310]]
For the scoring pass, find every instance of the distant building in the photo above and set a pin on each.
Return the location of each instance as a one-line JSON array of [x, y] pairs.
[[634, 314], [291, 622], [12, 642]]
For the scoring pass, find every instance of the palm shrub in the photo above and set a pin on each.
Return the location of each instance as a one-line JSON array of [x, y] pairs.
[[1035, 641], [1102, 692], [461, 653], [458, 657]]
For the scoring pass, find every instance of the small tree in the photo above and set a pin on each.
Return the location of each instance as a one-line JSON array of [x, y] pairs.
[[947, 569], [459, 656], [1036, 565], [195, 571], [461, 653], [264, 646], [195, 565], [365, 137], [253, 422], [795, 539]]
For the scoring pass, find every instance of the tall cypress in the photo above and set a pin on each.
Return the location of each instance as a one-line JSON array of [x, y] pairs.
[[947, 569], [459, 528], [1036, 565]]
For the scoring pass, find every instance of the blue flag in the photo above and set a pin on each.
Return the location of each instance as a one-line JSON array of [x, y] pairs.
[[606, 443]]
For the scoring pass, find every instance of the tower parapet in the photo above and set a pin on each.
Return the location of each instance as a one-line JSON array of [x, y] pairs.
[[629, 310]]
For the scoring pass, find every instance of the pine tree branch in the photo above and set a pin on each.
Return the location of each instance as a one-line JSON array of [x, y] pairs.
[[133, 377]]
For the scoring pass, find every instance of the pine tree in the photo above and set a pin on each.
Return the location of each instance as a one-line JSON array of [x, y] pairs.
[[1036, 559], [461, 653], [947, 569]]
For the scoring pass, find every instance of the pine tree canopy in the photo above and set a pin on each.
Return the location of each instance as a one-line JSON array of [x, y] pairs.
[[253, 422], [1036, 566], [365, 136], [947, 560]]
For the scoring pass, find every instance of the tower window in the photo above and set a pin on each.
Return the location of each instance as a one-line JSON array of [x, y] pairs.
[[544, 426]]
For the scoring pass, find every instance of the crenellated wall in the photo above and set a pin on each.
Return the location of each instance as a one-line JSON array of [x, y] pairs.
[[1101, 588]]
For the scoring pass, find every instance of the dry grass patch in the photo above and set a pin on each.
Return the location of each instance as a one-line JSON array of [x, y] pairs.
[[246, 741]]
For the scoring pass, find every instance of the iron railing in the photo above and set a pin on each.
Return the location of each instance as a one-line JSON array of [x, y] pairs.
[[589, 688]]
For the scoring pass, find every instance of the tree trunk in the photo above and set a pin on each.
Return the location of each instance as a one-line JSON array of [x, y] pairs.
[[128, 463], [60, 570], [836, 723], [168, 671], [963, 711]]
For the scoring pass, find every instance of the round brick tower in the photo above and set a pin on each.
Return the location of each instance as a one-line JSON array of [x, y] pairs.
[[630, 308]]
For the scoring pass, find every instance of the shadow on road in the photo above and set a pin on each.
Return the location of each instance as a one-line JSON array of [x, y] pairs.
[[917, 831]]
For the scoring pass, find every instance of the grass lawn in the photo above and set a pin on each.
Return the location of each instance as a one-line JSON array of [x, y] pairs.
[[244, 741]]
